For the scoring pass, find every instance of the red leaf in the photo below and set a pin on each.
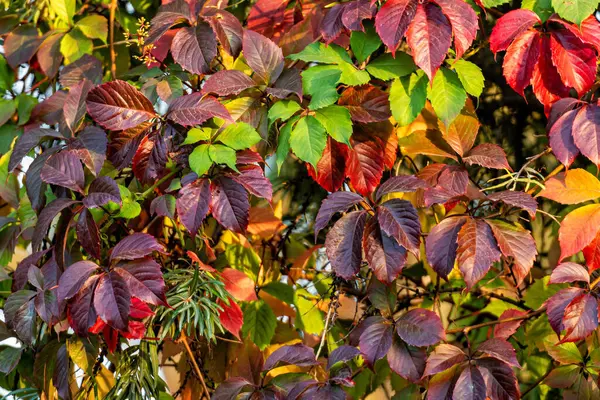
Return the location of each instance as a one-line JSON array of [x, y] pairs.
[[441, 245], [355, 12], [150, 159], [383, 253], [516, 199], [520, 60], [589, 31], [477, 250], [366, 103], [266, 15], [516, 242], [500, 379], [452, 182], [505, 330], [365, 162], [511, 25], [193, 203], [239, 285], [102, 190], [136, 245], [91, 145], [252, 177], [228, 29], [202, 266], [580, 318], [74, 105], [138, 310], [334, 203], [64, 169], [227, 82], [443, 357], [118, 106], [229, 204], [429, 37], [231, 317], [112, 300], [592, 254], [470, 385], [194, 109], [392, 21], [488, 155], [586, 132], [49, 55], [555, 307], [420, 327], [145, 280], [501, 350], [574, 60], [464, 23], [263, 56], [87, 233], [343, 244], [399, 219], [569, 272], [81, 312], [331, 166], [408, 362], [400, 184], [578, 229], [168, 15], [194, 48], [547, 84]]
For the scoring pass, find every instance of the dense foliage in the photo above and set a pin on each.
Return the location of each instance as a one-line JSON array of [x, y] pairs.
[[299, 200]]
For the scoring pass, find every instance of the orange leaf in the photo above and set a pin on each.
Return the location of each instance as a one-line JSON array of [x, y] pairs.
[[238, 284], [572, 187], [578, 229]]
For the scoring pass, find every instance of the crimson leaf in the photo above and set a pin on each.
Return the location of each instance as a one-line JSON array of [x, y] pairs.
[[192, 204], [229, 204], [135, 246]]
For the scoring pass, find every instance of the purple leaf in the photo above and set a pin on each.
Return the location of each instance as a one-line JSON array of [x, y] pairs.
[[516, 199], [51, 272], [145, 280], [34, 184], [64, 169], [252, 177], [477, 250], [355, 12], [586, 132], [383, 253], [569, 272], [101, 191], [194, 48], [124, 145], [487, 155], [580, 318], [500, 379], [505, 330], [555, 307], [19, 314], [168, 15], [87, 233], [231, 388], [344, 244], [343, 353], [297, 354], [192, 204], [420, 327], [501, 350], [443, 357], [73, 279], [289, 82], [561, 139], [406, 361], [163, 206], [90, 145], [45, 219], [50, 110], [452, 182], [82, 314], [28, 141], [194, 109], [334, 203], [119, 106], [228, 29], [399, 219], [263, 56], [112, 300], [227, 82], [470, 385], [135, 246], [20, 274], [400, 184], [392, 21], [87, 67], [375, 341], [229, 204], [332, 25], [21, 44], [74, 106]]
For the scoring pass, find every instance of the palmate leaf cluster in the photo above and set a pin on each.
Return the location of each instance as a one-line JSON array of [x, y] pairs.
[[296, 200]]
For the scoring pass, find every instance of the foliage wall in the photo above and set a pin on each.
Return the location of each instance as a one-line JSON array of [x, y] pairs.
[[299, 200]]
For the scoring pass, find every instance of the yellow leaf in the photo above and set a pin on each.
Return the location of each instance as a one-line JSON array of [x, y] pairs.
[[572, 187]]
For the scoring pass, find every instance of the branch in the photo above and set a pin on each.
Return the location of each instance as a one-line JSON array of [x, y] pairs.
[[113, 56], [194, 363], [467, 329]]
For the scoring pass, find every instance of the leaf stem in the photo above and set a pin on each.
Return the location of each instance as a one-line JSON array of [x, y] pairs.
[[158, 183]]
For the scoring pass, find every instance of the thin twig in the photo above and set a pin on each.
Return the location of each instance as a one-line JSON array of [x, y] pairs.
[[535, 384], [194, 363], [326, 329], [467, 329], [113, 56]]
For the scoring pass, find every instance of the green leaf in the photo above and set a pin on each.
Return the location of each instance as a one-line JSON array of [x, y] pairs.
[[283, 143], [74, 45], [64, 9], [243, 259], [543, 8], [283, 110], [7, 75], [447, 95], [94, 27], [130, 208], [363, 44], [540, 291], [200, 160], [493, 3], [352, 76], [9, 358], [408, 95], [7, 110], [25, 105], [321, 53], [223, 155], [386, 67], [470, 76], [564, 353], [239, 136], [337, 122], [309, 317], [575, 10], [259, 323], [7, 133], [280, 291], [308, 140], [197, 134], [320, 83]]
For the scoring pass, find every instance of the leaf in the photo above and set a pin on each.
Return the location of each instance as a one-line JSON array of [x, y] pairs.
[[464, 24], [477, 250], [239, 136], [230, 388], [592, 254], [229, 204], [331, 167], [134, 246], [320, 83], [365, 162], [163, 206], [516, 242], [375, 341], [355, 12], [20, 316], [569, 272], [252, 177], [386, 67], [443, 357], [195, 109], [520, 60], [399, 220], [363, 44], [64, 169], [564, 353], [297, 354], [144, 280], [586, 132], [49, 56], [516, 199], [336, 121], [308, 140], [441, 244], [21, 44], [420, 327], [259, 323], [556, 306], [575, 61], [470, 385], [470, 76], [9, 358], [87, 233], [500, 379], [283, 110], [64, 9], [112, 300], [75, 45], [383, 253], [239, 285], [90, 145], [578, 229], [580, 318], [228, 30], [344, 244], [93, 26], [194, 48], [263, 56], [26, 142], [561, 138], [227, 82], [511, 25], [366, 104], [334, 203], [87, 67], [447, 95], [266, 16], [73, 279], [407, 97], [118, 106], [505, 330], [575, 11], [406, 361], [231, 317], [392, 21], [572, 187], [45, 219], [81, 312], [501, 350], [400, 184]]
